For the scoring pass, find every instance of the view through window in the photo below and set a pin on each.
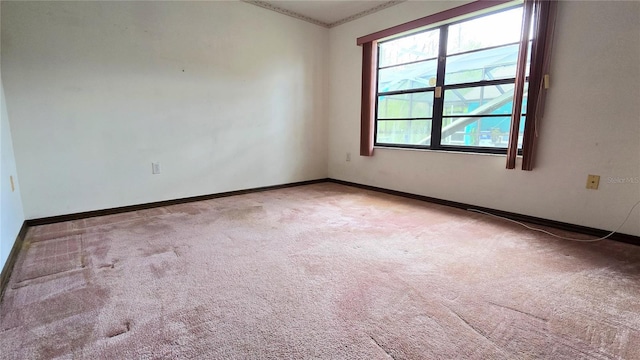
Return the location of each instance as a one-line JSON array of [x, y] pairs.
[[450, 87]]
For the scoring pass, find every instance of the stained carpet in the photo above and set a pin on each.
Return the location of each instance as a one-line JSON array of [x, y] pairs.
[[322, 271]]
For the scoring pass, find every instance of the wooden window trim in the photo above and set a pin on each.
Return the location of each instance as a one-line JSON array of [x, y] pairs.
[[521, 67], [370, 60], [367, 120], [541, 12], [545, 16], [431, 19]]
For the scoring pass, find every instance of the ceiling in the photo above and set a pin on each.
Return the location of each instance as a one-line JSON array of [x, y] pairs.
[[327, 13]]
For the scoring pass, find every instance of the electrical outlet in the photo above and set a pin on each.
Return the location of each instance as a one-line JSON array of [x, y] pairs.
[[155, 168], [348, 156], [593, 181]]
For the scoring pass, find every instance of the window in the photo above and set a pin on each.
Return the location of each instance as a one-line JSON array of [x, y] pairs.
[[458, 80], [462, 102]]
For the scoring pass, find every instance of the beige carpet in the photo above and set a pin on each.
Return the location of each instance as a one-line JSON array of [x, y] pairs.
[[321, 271]]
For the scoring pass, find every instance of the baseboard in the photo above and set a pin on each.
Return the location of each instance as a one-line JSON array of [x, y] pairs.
[[122, 209], [11, 260], [626, 238]]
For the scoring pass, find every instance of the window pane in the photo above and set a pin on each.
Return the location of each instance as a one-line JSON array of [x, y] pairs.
[[492, 30], [409, 48], [407, 132], [406, 77], [521, 132], [415, 105], [481, 100], [491, 64], [483, 132]]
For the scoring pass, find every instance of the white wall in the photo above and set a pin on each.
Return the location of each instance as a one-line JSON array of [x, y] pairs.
[[591, 125], [225, 95], [11, 212]]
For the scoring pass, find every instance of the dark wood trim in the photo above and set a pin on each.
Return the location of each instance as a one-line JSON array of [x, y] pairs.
[[431, 19], [544, 14], [626, 238], [122, 209], [368, 102], [7, 269], [512, 147], [631, 239]]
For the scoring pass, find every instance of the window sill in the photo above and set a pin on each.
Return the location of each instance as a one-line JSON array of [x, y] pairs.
[[378, 147]]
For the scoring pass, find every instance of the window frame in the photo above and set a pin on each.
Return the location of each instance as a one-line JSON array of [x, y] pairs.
[[438, 115], [540, 15]]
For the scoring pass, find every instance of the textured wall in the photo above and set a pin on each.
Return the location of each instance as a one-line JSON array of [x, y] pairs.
[[11, 212]]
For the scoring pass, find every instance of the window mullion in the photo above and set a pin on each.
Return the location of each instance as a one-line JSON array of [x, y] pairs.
[[438, 102]]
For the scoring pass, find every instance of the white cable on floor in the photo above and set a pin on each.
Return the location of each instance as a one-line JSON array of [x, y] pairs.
[[558, 236]]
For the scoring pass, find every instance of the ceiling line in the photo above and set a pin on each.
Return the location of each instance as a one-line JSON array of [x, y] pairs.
[[269, 6], [366, 12]]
